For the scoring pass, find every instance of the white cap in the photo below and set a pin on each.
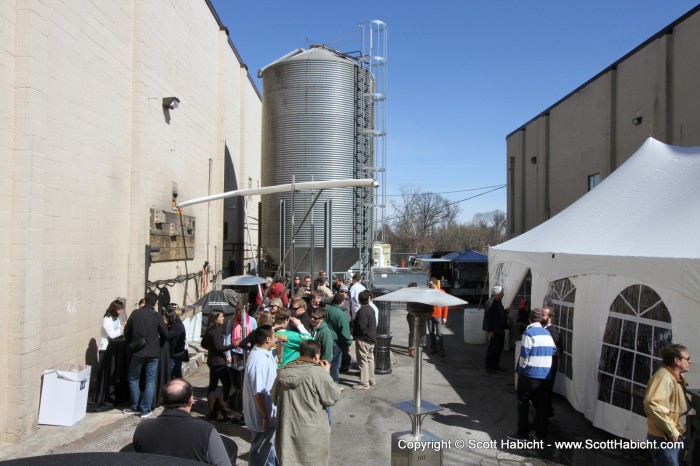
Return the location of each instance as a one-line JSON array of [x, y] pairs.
[[497, 289]]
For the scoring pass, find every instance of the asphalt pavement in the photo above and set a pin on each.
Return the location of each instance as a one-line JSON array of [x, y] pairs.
[[479, 410]]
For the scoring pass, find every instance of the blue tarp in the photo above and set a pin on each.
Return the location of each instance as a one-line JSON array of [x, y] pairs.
[[467, 256]]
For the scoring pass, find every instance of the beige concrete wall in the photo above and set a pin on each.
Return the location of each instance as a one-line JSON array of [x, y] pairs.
[[533, 192], [579, 143], [685, 100], [8, 96], [87, 150], [641, 88], [513, 179], [591, 131]]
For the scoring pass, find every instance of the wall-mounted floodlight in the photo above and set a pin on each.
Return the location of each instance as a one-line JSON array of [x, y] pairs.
[[637, 119], [171, 102]]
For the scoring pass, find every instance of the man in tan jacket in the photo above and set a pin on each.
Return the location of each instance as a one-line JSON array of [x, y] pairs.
[[665, 402], [302, 391]]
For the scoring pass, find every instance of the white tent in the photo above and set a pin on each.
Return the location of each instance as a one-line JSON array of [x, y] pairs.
[[622, 268]]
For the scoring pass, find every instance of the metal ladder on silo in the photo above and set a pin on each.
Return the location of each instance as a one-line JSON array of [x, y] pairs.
[[373, 101]]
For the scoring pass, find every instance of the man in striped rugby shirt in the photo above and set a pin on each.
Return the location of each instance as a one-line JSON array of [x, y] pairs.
[[534, 366]]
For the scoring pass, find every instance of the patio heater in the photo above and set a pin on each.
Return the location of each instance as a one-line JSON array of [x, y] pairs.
[[242, 284], [419, 302]]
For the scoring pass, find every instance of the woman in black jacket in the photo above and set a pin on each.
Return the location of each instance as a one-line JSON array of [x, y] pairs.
[[176, 339], [213, 341]]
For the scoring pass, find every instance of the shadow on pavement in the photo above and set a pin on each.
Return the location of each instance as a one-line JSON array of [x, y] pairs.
[[489, 403]]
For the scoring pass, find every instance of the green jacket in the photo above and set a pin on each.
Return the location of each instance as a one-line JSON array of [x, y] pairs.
[[324, 336], [339, 323], [288, 342]]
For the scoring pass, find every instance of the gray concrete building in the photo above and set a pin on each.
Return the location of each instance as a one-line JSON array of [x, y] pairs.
[[566, 150]]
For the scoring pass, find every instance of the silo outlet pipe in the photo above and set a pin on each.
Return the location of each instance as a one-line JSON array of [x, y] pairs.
[[280, 188]]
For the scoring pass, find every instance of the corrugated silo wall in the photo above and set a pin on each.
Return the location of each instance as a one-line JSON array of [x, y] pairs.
[[310, 131]]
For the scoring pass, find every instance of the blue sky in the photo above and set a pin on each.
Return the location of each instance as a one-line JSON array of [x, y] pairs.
[[462, 74]]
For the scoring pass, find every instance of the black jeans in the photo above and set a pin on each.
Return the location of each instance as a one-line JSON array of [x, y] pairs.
[[436, 337], [532, 391], [217, 373], [494, 350], [345, 358]]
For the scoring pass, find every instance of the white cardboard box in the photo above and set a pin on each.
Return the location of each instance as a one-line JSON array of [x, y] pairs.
[[64, 394]]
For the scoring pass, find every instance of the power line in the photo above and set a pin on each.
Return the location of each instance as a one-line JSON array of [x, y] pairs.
[[480, 194], [452, 203], [458, 191]]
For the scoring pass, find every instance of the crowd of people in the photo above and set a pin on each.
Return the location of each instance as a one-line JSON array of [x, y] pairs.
[[282, 359], [285, 361]]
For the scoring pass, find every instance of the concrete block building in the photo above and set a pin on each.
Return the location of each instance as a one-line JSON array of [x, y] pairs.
[[566, 150], [89, 151]]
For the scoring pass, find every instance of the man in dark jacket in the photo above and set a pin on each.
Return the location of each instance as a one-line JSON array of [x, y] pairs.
[[495, 324], [176, 433], [365, 331], [144, 333], [339, 322]]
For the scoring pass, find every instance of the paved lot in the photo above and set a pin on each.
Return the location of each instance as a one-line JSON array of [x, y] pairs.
[[478, 407]]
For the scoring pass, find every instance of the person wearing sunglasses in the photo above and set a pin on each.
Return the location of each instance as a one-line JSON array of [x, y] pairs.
[[665, 403], [323, 334], [299, 311], [290, 333]]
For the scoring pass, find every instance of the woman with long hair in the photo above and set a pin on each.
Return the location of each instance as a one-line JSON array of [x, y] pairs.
[[296, 284], [112, 327], [176, 340], [234, 332], [213, 341]]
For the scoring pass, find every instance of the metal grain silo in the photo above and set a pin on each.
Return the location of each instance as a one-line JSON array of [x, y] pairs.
[[316, 126]]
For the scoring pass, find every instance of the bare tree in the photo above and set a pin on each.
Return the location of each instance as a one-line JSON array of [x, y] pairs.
[[418, 219], [426, 222], [487, 229]]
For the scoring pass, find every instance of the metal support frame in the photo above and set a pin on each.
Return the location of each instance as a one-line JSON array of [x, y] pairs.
[[363, 183], [292, 248], [328, 235], [283, 228]]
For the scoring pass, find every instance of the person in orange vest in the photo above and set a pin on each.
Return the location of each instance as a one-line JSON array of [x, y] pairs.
[[437, 320]]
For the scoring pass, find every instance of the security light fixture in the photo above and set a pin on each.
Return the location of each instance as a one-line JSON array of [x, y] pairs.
[[637, 119], [171, 102]]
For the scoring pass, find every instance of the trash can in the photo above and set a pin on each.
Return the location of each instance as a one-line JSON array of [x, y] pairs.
[[473, 327], [64, 394], [382, 349], [382, 360]]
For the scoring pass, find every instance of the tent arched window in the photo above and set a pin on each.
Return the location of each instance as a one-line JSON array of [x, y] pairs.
[[638, 328], [561, 298]]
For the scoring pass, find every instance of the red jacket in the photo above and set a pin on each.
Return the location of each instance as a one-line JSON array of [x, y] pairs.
[[277, 291]]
